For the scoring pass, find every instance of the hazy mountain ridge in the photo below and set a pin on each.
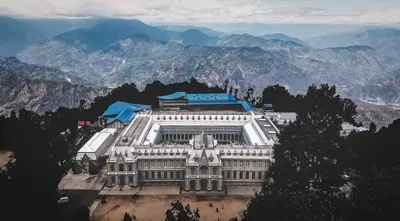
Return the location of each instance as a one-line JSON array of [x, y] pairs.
[[384, 40], [16, 35], [110, 31], [17, 92], [181, 28], [283, 37]]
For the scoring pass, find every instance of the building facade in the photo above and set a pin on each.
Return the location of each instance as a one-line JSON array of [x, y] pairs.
[[198, 141]]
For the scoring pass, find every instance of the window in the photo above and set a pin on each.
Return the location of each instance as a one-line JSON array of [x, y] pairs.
[[247, 163], [112, 167], [192, 171], [165, 175], [131, 179], [240, 175], [121, 167], [146, 175], [171, 174], [152, 175], [234, 175], [158, 175], [259, 175], [112, 180], [247, 175], [215, 171], [228, 174], [253, 175], [130, 167]]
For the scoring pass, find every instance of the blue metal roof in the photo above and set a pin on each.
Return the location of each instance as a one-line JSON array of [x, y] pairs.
[[246, 106], [125, 116], [210, 97], [123, 111], [173, 96]]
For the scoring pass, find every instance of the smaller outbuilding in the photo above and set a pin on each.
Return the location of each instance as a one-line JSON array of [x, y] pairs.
[[89, 154]]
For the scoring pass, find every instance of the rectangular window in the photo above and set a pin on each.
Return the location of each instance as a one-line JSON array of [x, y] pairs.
[[152, 175], [159, 175], [165, 175], [171, 175], [253, 175], [112, 167], [228, 174], [130, 179], [234, 175], [247, 164], [112, 180], [130, 167], [240, 175], [247, 175], [259, 175], [146, 175]]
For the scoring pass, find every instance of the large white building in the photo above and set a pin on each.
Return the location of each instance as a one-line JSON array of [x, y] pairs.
[[198, 141]]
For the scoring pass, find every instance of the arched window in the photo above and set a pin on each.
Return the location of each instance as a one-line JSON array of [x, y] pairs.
[[121, 167]]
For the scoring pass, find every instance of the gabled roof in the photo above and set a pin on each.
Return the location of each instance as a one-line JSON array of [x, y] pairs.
[[119, 106], [125, 116], [125, 112]]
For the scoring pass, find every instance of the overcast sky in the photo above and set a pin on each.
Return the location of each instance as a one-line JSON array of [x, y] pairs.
[[214, 11]]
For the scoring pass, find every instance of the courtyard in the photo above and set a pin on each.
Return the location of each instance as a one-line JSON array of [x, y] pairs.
[[153, 208]]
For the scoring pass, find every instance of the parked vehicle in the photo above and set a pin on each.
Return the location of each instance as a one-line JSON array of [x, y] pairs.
[[63, 198]]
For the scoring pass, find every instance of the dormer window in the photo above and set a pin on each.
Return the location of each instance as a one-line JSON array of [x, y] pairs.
[[121, 167], [241, 153], [112, 167]]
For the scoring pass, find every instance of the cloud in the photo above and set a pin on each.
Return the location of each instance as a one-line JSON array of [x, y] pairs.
[[214, 11]]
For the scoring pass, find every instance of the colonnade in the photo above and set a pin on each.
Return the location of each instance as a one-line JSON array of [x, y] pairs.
[[188, 136]]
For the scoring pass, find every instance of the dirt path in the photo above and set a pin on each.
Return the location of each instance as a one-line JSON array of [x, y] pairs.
[[153, 208]]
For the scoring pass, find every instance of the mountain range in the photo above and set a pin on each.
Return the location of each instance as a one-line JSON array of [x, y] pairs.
[[109, 52], [246, 60]]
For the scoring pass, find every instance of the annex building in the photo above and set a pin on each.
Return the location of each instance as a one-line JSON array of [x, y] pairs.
[[198, 141]]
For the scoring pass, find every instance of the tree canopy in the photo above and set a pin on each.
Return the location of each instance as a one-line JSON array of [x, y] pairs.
[[180, 213]]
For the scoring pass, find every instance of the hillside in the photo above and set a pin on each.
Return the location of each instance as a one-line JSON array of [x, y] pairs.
[[17, 92]]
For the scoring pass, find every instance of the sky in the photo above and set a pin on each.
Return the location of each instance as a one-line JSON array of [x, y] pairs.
[[213, 11]]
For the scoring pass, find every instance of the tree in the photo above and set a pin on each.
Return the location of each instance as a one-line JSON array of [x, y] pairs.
[[225, 85], [83, 214], [180, 213], [235, 92], [280, 98], [127, 217], [372, 127], [306, 178]]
